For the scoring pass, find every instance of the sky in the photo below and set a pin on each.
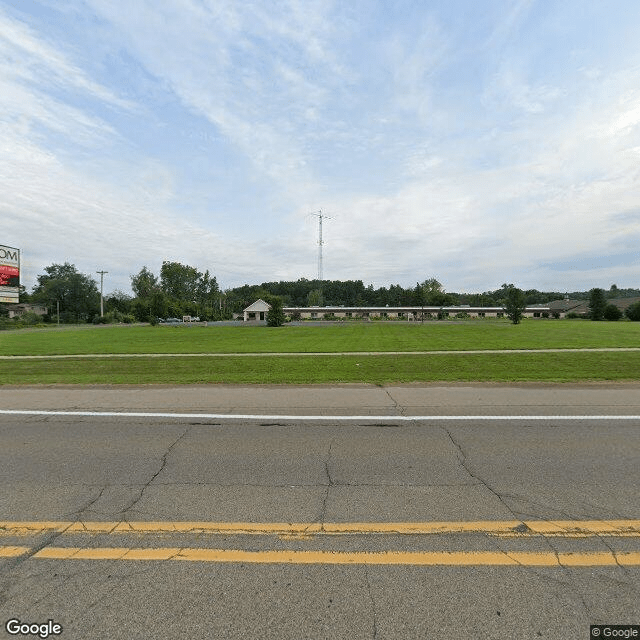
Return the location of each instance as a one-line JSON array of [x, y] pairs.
[[474, 141]]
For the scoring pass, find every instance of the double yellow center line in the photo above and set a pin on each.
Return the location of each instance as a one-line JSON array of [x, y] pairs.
[[302, 531]]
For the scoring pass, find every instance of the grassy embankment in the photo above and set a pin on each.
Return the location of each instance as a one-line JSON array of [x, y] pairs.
[[569, 366]]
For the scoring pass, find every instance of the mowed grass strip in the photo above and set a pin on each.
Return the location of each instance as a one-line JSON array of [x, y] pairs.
[[371, 336], [508, 367]]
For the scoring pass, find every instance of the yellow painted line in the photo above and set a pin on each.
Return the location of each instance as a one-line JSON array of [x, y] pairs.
[[423, 558], [510, 528], [13, 552]]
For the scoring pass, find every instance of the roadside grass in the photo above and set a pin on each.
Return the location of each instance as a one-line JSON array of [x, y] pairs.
[[373, 336], [508, 367]]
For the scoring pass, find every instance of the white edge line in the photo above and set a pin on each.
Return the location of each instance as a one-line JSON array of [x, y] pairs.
[[235, 416]]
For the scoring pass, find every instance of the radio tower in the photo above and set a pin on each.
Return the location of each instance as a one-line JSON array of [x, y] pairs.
[[320, 216]]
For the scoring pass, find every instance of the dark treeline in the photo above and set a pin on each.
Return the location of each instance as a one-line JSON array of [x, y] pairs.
[[353, 293], [183, 290]]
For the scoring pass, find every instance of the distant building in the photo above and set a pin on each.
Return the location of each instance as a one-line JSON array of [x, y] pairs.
[[581, 307], [258, 309], [16, 310]]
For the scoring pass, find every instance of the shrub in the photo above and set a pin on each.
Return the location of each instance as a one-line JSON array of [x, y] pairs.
[[611, 312], [633, 312], [29, 318], [545, 314], [275, 315]]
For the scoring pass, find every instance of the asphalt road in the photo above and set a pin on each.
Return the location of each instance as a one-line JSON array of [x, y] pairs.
[[134, 527]]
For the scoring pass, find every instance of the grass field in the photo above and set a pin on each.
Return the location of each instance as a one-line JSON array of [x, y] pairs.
[[374, 336], [377, 369], [549, 367]]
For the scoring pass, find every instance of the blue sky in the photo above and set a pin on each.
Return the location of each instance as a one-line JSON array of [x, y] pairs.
[[474, 141]]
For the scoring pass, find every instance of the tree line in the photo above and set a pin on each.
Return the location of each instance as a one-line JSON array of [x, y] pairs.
[[184, 290]]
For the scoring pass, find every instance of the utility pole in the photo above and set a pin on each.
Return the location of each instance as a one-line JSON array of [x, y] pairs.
[[320, 216], [101, 283]]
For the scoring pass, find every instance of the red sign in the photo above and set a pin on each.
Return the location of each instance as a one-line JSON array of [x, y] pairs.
[[9, 276]]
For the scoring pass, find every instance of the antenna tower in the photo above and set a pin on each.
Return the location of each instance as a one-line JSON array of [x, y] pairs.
[[320, 216]]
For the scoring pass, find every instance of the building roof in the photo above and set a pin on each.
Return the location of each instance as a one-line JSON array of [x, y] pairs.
[[258, 305]]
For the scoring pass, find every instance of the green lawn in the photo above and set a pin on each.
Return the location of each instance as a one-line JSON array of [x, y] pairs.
[[373, 336], [550, 367]]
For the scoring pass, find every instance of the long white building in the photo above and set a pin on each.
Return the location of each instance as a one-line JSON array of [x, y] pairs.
[[258, 310]]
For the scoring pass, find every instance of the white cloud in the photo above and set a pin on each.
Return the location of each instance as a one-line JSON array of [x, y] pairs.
[[473, 181], [27, 56]]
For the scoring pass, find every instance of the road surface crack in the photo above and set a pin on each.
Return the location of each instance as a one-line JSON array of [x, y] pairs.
[[329, 484], [49, 539], [462, 459], [399, 409], [374, 630], [163, 464]]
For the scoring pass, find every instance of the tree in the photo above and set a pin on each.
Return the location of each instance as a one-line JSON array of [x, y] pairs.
[[118, 301], [275, 315], [158, 305], [207, 290], [633, 312], [314, 298], [597, 303], [514, 303], [611, 312], [144, 283], [430, 293], [180, 281], [76, 292]]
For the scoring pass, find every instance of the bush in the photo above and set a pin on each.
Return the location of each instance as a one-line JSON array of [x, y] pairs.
[[572, 315], [29, 318], [633, 312], [611, 312], [275, 315], [545, 314]]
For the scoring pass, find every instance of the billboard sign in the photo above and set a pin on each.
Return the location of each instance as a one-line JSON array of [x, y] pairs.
[[9, 274]]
